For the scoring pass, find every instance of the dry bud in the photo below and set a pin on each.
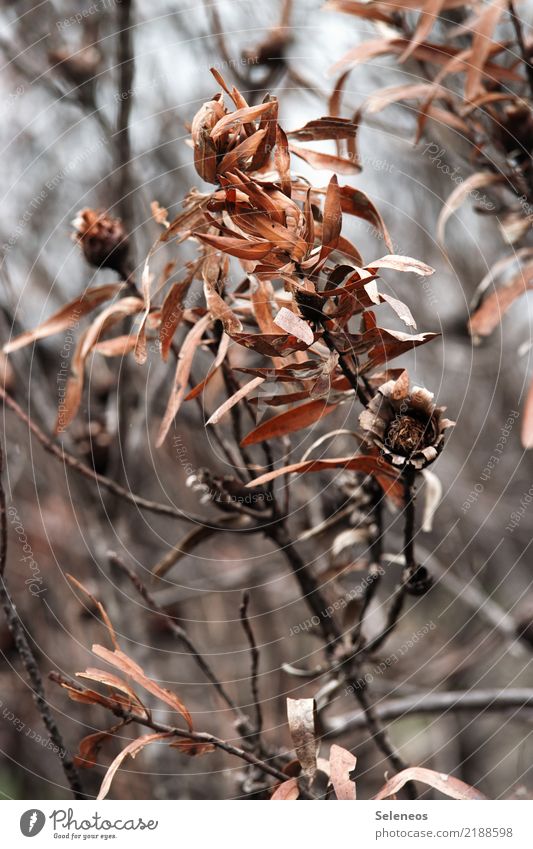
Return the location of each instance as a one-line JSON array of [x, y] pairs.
[[103, 240]]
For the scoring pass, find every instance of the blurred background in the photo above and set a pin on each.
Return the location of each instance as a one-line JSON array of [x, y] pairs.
[[61, 98]]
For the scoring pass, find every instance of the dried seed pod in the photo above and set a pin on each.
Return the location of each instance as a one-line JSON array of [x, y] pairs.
[[103, 240], [405, 425]]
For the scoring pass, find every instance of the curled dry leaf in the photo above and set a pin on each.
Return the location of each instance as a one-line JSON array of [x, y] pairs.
[[132, 749], [90, 746], [183, 370], [67, 316], [341, 764], [487, 317], [301, 714], [480, 180], [192, 748], [128, 667], [447, 784]]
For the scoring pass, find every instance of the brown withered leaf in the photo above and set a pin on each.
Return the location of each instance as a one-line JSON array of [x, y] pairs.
[[90, 746], [401, 263], [301, 714], [103, 612], [429, 14], [294, 325], [85, 345], [219, 359], [482, 43], [101, 676], [367, 464], [67, 316], [322, 129], [132, 749], [447, 784], [287, 791], [119, 346], [282, 161], [234, 399], [341, 763], [289, 421], [332, 223], [183, 370], [479, 180], [239, 247], [326, 161], [189, 542], [171, 315], [487, 317], [127, 666]]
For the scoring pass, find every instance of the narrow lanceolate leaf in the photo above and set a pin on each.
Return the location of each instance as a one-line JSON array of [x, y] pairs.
[[90, 746], [289, 421], [301, 714], [287, 791], [183, 370], [127, 666], [447, 784], [487, 317], [322, 129], [367, 464], [67, 316], [171, 315], [482, 43], [240, 248], [230, 402], [341, 764], [479, 180], [332, 224], [131, 749], [527, 420], [326, 161], [401, 263], [119, 346], [99, 605], [294, 325], [427, 20]]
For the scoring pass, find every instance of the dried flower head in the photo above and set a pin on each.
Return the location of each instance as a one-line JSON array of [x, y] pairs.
[[224, 140], [407, 427], [103, 240]]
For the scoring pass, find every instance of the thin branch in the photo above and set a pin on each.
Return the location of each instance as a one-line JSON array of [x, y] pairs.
[[424, 703], [181, 635], [126, 65], [82, 468], [28, 658], [200, 737], [254, 653]]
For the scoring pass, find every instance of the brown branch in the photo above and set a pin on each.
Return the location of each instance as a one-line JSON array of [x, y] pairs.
[[254, 653], [200, 737], [27, 657], [126, 65], [425, 703]]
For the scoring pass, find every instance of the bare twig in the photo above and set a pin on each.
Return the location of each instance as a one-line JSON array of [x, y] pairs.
[[181, 635], [74, 463], [422, 703]]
